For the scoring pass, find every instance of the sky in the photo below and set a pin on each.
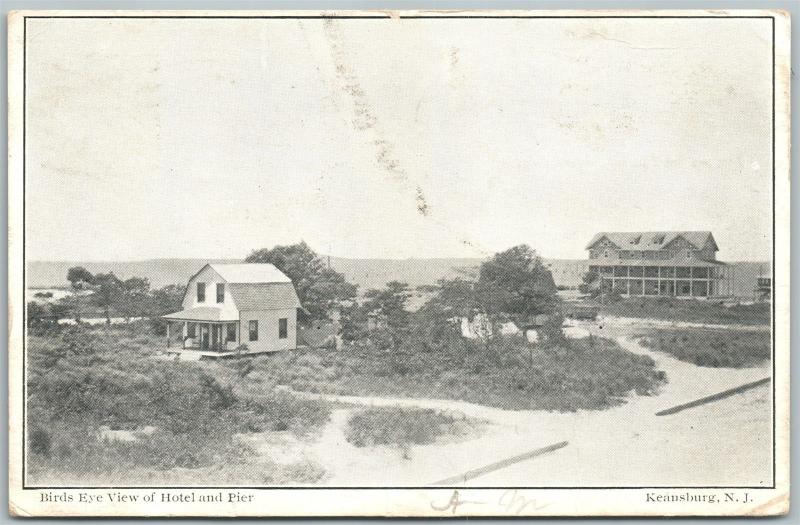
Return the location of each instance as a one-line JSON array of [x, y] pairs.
[[393, 138]]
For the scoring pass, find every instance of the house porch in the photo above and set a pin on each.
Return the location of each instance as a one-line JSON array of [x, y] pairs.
[[205, 336]]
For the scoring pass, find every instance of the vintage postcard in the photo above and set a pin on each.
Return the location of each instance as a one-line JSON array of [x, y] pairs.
[[407, 263]]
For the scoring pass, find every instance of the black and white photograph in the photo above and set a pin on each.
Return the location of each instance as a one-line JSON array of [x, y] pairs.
[[412, 263]]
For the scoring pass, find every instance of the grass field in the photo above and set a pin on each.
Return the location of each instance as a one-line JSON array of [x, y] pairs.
[[711, 348], [688, 310]]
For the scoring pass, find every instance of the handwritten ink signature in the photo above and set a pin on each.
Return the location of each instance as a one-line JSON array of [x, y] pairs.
[[515, 502], [454, 503], [511, 501]]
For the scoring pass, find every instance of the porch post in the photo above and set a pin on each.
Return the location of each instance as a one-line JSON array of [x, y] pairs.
[[167, 334]]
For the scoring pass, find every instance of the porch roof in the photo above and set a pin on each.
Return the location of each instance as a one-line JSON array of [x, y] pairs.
[[201, 313]]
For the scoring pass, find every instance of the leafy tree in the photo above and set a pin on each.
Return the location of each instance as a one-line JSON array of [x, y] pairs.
[[453, 298], [108, 292], [319, 288], [164, 301], [516, 283], [79, 277], [388, 305], [134, 299], [353, 323]]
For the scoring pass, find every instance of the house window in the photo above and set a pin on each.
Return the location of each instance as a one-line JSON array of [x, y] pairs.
[[201, 292], [605, 253], [231, 335], [283, 328], [190, 330], [220, 293], [253, 326]]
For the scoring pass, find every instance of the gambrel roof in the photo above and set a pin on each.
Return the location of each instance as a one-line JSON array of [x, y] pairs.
[[264, 296], [253, 287], [653, 240]]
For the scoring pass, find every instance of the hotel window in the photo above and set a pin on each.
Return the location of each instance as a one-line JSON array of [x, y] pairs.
[[231, 333], [283, 328], [253, 326], [201, 292], [220, 293]]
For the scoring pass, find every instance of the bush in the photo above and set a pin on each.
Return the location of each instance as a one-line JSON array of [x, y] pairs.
[[85, 379], [39, 441], [397, 426], [711, 348], [690, 310]]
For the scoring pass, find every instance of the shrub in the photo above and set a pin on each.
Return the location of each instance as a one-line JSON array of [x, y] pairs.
[[39, 441], [690, 310], [397, 426], [711, 348], [85, 378]]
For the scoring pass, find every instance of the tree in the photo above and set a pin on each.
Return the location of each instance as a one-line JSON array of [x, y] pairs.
[[163, 301], [353, 323], [319, 288], [108, 292], [133, 301], [454, 298], [79, 277], [388, 305], [516, 284]]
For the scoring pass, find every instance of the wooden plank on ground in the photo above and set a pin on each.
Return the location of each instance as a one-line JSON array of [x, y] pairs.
[[471, 474], [714, 397]]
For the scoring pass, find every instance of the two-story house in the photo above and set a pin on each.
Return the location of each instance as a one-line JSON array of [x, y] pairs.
[[672, 263], [237, 306]]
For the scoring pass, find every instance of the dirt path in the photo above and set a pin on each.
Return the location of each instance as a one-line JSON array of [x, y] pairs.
[[723, 443]]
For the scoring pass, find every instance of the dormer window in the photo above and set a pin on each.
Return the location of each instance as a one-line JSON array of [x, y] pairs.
[[201, 292]]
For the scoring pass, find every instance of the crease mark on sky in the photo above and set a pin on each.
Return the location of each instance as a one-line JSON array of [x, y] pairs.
[[366, 121]]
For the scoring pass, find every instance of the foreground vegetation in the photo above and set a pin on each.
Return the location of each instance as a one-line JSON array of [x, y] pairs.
[[404, 427], [688, 310], [581, 374], [102, 408], [711, 348]]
